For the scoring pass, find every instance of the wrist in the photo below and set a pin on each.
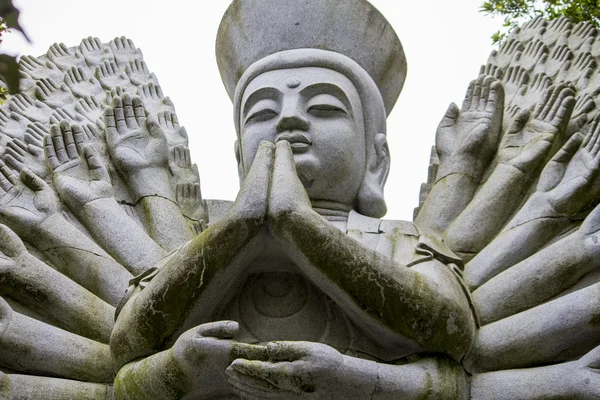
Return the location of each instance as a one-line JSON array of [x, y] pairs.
[[149, 182], [358, 377], [468, 168]]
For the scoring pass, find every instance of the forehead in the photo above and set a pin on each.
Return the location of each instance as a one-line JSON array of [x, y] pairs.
[[296, 80]]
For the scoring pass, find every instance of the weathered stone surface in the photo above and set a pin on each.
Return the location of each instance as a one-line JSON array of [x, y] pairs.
[[298, 288]]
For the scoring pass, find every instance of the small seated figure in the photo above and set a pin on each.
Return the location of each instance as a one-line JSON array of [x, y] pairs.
[[300, 290]]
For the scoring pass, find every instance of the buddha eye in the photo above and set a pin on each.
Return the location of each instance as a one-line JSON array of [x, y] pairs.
[[326, 106], [261, 115]]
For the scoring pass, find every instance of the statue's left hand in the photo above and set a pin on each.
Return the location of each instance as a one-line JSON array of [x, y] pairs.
[[294, 370], [287, 192], [467, 139]]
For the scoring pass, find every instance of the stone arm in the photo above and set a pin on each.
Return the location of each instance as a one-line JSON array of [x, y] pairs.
[[313, 370], [199, 274], [572, 380], [465, 142], [28, 345], [31, 387], [50, 294], [391, 302], [139, 147], [521, 154], [83, 182], [569, 183], [29, 206]]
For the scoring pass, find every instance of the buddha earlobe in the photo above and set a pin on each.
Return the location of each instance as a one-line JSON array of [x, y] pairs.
[[370, 195], [238, 156]]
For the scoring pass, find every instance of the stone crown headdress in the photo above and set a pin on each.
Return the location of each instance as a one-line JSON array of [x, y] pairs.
[[254, 29]]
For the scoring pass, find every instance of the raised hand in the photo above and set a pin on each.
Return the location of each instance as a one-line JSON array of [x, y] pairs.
[[39, 70], [557, 28], [34, 135], [503, 57], [578, 70], [54, 94], [583, 31], [528, 95], [34, 110], [153, 99], [491, 70], [583, 106], [552, 64], [467, 139], [64, 58], [526, 143], [189, 198], [532, 54], [25, 201], [110, 76], [570, 181], [13, 125], [529, 30], [81, 84], [94, 51], [169, 124], [19, 155], [180, 165], [64, 114], [124, 50], [92, 108], [515, 78], [79, 175], [138, 73]]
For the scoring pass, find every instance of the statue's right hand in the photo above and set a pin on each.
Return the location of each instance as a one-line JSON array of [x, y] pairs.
[[251, 202], [203, 354]]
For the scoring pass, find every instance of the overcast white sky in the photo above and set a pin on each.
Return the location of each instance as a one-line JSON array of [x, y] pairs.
[[445, 43]]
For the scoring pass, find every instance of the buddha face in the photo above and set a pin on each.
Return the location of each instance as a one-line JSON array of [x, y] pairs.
[[319, 112]]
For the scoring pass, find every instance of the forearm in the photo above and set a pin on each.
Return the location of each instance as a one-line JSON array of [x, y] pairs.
[[120, 235], [564, 328], [396, 298], [428, 378], [30, 345], [535, 279], [165, 222], [489, 210], [152, 192], [509, 248], [82, 260], [210, 260], [551, 382], [448, 198], [29, 387], [52, 295], [154, 377]]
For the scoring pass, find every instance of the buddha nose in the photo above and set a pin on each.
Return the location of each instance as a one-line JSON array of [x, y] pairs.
[[291, 119]]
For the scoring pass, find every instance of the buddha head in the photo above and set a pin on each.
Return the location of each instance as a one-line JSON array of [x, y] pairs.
[[325, 87]]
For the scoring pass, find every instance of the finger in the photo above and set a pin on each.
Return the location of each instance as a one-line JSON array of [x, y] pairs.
[[280, 375], [10, 243], [32, 181], [58, 143], [117, 105], [569, 149], [287, 351], [496, 98], [8, 179], [97, 168], [469, 96], [219, 329], [139, 110], [78, 137], [254, 195], [129, 114], [51, 157], [69, 142]]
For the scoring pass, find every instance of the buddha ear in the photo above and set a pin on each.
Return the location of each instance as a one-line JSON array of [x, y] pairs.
[[370, 195], [238, 156]]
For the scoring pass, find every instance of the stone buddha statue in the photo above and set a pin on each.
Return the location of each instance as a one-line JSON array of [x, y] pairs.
[[299, 289]]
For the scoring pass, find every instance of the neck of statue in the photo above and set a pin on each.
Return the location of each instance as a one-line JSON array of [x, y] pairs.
[[334, 212]]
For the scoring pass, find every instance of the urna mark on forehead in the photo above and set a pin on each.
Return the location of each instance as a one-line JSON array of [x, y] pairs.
[[302, 84]]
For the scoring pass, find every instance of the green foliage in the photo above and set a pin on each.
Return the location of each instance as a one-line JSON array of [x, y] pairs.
[[9, 72], [516, 12]]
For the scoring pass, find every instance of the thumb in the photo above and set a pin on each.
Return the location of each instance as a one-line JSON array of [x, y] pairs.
[[219, 329], [95, 164], [32, 181], [153, 126], [10, 243], [451, 115]]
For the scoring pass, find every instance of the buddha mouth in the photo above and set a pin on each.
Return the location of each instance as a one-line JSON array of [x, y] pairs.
[[298, 142]]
